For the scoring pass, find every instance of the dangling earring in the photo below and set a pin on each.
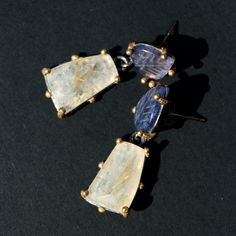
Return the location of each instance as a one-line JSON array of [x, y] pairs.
[[119, 177], [116, 183]]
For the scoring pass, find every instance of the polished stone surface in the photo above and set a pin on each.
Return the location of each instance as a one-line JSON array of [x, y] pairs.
[[74, 82], [148, 110], [147, 59], [117, 182]]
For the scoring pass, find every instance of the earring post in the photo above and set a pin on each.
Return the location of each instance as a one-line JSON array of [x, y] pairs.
[[188, 117], [171, 31]]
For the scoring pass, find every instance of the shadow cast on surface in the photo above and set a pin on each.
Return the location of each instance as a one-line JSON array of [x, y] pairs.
[[188, 51], [143, 198], [185, 96]]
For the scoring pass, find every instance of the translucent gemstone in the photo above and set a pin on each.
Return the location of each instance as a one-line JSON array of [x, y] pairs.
[[117, 182], [149, 62], [148, 110], [75, 82]]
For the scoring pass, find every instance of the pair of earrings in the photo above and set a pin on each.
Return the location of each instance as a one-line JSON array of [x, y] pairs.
[[74, 83]]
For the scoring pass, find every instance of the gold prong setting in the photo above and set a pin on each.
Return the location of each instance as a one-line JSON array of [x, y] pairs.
[[74, 57], [84, 193], [163, 101], [155, 82], [151, 84], [133, 110], [139, 134], [163, 56], [101, 210], [125, 211], [92, 100], [143, 80], [157, 96], [46, 71], [119, 140], [131, 45], [146, 152], [104, 51], [130, 48], [141, 185], [128, 52], [159, 99], [145, 136], [163, 53], [100, 164], [48, 94], [171, 72], [117, 80], [61, 113]]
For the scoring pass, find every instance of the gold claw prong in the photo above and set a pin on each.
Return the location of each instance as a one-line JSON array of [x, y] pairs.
[[171, 72], [74, 57], [139, 134], [143, 80], [104, 51], [151, 84], [117, 80], [100, 164], [146, 151], [146, 136], [163, 56], [129, 52], [119, 140], [133, 110], [159, 99], [164, 51], [47, 94], [101, 210], [141, 186], [125, 211], [46, 71], [163, 101], [157, 96], [131, 45], [84, 193], [92, 100], [61, 113]]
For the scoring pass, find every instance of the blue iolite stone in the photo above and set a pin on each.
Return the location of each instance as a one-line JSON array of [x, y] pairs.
[[148, 110], [147, 59]]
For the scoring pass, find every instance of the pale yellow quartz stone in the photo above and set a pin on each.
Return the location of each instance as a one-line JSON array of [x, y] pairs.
[[116, 183], [75, 82]]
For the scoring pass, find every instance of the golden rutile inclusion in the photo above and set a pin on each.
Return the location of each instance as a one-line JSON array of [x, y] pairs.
[[75, 82]]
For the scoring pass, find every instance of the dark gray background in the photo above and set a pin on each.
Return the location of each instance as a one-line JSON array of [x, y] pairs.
[[45, 162]]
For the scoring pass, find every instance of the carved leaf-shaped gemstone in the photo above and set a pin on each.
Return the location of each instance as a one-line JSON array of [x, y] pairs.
[[147, 59], [148, 110]]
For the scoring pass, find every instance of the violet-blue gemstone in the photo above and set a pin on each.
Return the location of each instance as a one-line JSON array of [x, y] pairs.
[[148, 110], [147, 59]]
